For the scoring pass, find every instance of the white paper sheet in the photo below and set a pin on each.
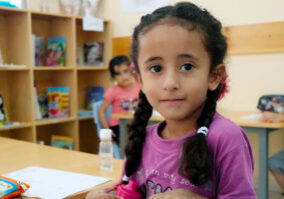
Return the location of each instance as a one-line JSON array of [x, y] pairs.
[[132, 6], [54, 184], [256, 116]]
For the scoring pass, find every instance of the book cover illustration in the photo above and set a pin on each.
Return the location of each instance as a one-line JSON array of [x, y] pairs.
[[94, 94], [39, 51], [93, 54], [62, 142], [58, 102], [2, 112], [56, 51]]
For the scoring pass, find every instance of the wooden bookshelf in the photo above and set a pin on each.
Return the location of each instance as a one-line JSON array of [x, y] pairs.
[[17, 83]]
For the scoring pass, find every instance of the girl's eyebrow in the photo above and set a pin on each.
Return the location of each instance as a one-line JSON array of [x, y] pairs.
[[188, 56], [152, 59]]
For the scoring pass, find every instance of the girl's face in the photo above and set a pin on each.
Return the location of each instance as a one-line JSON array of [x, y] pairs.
[[123, 75], [174, 71]]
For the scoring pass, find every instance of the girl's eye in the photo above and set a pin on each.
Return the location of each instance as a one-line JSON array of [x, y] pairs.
[[155, 69], [187, 67]]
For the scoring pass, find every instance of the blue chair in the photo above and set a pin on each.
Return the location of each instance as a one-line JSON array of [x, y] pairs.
[[96, 107]]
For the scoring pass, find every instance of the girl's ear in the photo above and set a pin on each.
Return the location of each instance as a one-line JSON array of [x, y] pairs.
[[138, 79], [216, 76]]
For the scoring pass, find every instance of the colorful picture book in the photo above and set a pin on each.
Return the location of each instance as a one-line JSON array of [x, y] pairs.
[[39, 50], [62, 142], [2, 111], [93, 54], [56, 51], [58, 102], [94, 94]]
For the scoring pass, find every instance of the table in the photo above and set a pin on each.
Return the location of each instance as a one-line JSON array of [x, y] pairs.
[[250, 126], [17, 154]]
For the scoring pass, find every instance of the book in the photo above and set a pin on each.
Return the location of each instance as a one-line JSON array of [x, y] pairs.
[[58, 102], [94, 94], [93, 54], [39, 50], [62, 142], [56, 51], [1, 58], [42, 97], [37, 106], [3, 117], [80, 55]]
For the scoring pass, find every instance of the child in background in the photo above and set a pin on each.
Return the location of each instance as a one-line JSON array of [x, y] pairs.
[[122, 97], [178, 52], [276, 162]]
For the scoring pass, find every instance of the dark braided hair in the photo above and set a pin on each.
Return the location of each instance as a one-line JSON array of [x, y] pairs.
[[196, 160], [137, 134]]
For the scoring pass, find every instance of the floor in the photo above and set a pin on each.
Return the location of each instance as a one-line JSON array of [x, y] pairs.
[[274, 195]]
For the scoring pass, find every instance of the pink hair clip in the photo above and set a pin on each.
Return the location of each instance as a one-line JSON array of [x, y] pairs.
[[225, 88]]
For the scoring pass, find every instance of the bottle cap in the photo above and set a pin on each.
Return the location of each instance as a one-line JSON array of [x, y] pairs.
[[105, 134], [128, 191]]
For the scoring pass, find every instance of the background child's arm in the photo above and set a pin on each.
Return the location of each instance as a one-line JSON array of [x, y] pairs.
[[102, 114], [178, 194]]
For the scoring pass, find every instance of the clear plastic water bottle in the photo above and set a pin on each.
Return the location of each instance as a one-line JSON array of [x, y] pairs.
[[106, 150]]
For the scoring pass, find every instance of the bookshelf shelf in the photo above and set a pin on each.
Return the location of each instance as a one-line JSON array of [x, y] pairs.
[[86, 118], [17, 28], [14, 68], [53, 121], [53, 68], [91, 68], [20, 126]]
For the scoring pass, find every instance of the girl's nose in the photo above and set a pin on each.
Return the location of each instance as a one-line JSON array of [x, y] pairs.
[[171, 81]]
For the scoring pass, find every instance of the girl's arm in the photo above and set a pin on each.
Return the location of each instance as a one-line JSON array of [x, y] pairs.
[[102, 114], [178, 194], [104, 192]]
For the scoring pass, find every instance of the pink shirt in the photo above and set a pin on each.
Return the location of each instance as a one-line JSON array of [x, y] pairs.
[[122, 100], [232, 163]]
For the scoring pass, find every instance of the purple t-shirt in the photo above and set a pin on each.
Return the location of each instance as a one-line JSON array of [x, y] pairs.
[[232, 163]]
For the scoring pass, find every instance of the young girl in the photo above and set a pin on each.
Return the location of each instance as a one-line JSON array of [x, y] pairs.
[[195, 153], [122, 96]]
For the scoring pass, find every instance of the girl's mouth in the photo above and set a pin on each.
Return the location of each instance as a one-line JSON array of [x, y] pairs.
[[172, 102]]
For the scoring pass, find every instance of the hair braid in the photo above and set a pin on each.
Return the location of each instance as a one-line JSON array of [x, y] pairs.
[[196, 161], [137, 134]]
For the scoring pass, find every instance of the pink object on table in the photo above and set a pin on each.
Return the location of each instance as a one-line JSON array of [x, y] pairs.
[[128, 191]]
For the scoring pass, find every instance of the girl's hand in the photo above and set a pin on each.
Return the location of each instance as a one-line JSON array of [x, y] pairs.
[[178, 194], [104, 192]]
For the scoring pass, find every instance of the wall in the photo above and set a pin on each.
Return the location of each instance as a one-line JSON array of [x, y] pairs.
[[250, 75]]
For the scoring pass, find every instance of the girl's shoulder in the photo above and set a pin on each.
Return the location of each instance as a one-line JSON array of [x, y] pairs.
[[224, 125], [224, 131]]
